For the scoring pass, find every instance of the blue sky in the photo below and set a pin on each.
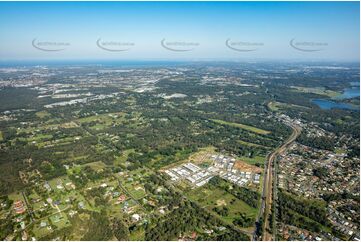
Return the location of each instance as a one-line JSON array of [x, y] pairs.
[[272, 25]]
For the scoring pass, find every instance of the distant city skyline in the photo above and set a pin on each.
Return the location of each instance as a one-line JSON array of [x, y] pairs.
[[324, 31]]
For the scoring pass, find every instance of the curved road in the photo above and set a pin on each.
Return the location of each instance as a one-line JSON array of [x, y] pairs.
[[267, 183]]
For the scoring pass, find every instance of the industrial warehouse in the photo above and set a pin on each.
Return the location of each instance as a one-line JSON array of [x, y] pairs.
[[222, 166]]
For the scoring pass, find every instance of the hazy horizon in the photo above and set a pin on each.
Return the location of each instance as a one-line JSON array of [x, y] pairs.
[[232, 31]]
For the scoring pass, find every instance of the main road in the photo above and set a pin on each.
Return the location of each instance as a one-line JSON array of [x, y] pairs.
[[267, 195]]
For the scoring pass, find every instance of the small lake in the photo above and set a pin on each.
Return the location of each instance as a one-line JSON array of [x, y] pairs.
[[327, 105], [348, 93]]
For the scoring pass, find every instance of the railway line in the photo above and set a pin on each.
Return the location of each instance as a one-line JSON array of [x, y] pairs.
[[267, 193]]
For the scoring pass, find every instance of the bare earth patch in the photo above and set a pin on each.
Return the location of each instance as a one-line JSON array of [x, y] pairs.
[[221, 202], [243, 166]]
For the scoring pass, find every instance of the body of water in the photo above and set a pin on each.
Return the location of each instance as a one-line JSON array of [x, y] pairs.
[[348, 93], [327, 105]]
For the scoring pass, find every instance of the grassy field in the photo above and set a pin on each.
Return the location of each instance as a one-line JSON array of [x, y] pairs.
[[33, 195], [37, 206], [317, 90], [54, 182], [79, 226], [37, 138], [242, 126], [137, 191], [276, 106], [123, 157], [42, 114], [103, 121], [58, 142], [60, 220], [273, 106], [249, 143], [340, 151], [16, 196], [137, 235], [210, 197], [199, 157], [40, 232], [254, 160], [97, 166], [46, 127]]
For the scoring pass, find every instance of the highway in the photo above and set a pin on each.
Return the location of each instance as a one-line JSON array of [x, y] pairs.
[[267, 197]]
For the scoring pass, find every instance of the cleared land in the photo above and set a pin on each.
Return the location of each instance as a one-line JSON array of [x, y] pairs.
[[42, 114], [250, 144], [211, 197], [243, 166], [102, 121], [276, 106], [242, 126], [254, 160], [317, 90]]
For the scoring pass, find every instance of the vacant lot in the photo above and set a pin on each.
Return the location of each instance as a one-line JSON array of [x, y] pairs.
[[254, 160], [210, 197]]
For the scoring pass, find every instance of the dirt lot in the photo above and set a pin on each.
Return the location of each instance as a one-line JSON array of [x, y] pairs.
[[243, 166]]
